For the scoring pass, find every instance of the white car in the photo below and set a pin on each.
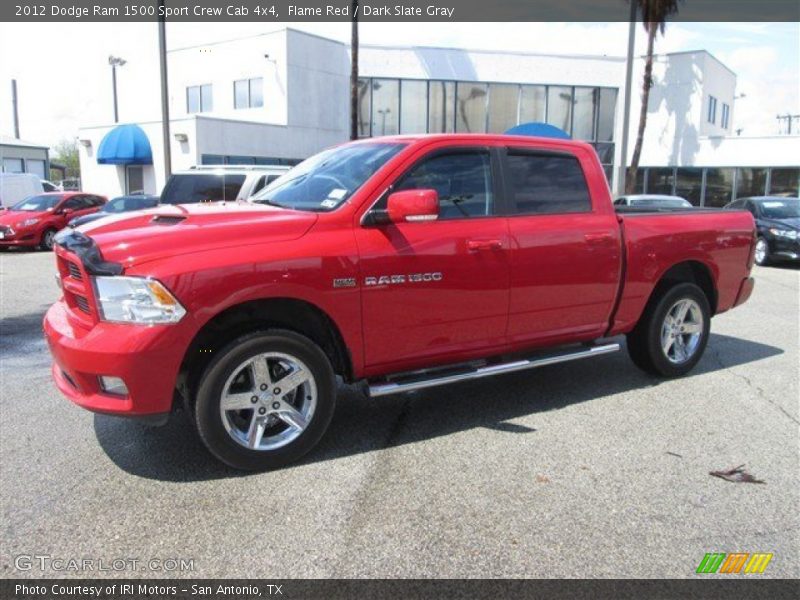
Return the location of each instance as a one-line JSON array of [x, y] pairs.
[[653, 201], [212, 183]]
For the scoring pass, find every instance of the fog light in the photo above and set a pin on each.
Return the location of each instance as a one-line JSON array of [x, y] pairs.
[[113, 385]]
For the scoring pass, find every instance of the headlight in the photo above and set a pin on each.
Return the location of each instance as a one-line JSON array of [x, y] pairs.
[[787, 233], [29, 222], [136, 300]]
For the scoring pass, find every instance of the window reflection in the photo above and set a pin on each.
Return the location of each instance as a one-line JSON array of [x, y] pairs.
[[503, 104], [585, 105], [413, 106], [559, 107], [385, 106], [441, 106], [532, 103], [689, 184], [471, 108], [719, 187]]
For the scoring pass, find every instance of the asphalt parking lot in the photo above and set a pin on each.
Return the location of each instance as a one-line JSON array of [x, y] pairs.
[[589, 469]]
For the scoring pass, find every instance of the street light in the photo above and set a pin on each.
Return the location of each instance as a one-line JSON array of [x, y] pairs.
[[115, 61]]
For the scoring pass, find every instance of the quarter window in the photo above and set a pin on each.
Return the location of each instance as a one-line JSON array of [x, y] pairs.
[[463, 181], [547, 184]]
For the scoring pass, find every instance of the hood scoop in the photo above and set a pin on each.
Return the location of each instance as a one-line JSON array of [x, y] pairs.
[[168, 219]]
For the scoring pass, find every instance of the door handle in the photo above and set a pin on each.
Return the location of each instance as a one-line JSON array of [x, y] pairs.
[[479, 245], [598, 238]]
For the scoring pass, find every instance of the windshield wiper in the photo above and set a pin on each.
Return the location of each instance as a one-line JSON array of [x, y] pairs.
[[270, 202]]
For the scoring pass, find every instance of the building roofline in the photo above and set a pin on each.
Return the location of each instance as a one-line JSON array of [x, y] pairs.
[[699, 51], [484, 51]]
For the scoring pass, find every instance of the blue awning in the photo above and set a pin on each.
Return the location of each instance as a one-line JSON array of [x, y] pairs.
[[125, 145], [539, 130]]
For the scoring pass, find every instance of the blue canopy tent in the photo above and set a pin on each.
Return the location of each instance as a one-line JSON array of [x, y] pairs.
[[125, 145], [536, 129]]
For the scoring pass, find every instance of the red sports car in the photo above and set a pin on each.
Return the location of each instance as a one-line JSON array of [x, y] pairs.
[[35, 220]]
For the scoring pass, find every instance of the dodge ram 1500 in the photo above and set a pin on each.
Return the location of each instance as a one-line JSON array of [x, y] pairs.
[[401, 262]]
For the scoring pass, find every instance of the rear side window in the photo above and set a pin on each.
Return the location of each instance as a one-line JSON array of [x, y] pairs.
[[546, 184], [201, 187], [463, 181]]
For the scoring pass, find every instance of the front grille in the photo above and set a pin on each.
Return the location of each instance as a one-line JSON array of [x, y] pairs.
[[74, 271], [82, 303]]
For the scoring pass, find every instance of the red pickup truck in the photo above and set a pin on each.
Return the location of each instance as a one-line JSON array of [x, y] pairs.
[[402, 262]]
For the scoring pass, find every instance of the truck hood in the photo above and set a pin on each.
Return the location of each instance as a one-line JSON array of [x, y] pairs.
[[165, 231]]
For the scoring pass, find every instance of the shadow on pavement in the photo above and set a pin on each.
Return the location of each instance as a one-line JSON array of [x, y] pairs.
[[175, 453]]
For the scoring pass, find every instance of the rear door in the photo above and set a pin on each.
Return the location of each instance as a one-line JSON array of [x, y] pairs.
[[438, 288], [565, 248]]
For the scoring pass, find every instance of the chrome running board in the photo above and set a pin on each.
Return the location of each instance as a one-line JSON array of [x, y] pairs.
[[396, 387]]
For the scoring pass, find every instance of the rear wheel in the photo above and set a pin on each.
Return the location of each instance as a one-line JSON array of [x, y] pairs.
[[266, 400], [47, 239], [672, 334], [762, 252]]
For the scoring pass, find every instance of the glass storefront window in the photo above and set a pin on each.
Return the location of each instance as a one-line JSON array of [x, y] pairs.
[[385, 107], [719, 187], [660, 180], [532, 103], [606, 112], [751, 182], [363, 108], [413, 106], [583, 121], [503, 103], [471, 107], [559, 107], [689, 184], [784, 182], [441, 106]]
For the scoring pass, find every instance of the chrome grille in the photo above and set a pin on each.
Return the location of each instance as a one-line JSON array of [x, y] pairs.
[[74, 271], [82, 303]]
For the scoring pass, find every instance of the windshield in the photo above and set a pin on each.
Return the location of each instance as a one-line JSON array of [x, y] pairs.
[[37, 203], [115, 205], [662, 202], [781, 209], [328, 179], [189, 188]]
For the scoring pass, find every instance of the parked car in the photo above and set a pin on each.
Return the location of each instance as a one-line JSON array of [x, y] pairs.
[[778, 224], [653, 201], [18, 186], [212, 183], [116, 206], [35, 220], [400, 262], [49, 186]]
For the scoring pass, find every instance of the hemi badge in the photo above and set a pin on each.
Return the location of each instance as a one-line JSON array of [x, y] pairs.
[[345, 282]]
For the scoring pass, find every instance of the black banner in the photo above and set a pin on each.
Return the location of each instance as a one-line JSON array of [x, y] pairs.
[[275, 11], [711, 588]]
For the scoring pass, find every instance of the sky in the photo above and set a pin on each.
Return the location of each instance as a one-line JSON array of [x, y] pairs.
[[64, 81]]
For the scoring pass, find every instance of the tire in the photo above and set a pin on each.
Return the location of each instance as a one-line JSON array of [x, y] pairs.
[[46, 243], [289, 424], [762, 252], [661, 347]]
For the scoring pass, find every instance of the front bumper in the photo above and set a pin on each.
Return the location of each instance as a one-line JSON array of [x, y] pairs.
[[784, 249], [145, 358], [19, 239]]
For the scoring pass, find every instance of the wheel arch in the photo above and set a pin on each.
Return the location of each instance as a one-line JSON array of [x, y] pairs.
[[234, 321], [690, 271]]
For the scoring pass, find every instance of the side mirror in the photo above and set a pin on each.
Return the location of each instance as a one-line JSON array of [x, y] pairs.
[[413, 205]]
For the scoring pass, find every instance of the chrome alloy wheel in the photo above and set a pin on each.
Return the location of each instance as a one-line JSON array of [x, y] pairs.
[[682, 330], [268, 401], [761, 251]]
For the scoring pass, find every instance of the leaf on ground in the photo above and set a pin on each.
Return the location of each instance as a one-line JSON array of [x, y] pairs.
[[736, 475]]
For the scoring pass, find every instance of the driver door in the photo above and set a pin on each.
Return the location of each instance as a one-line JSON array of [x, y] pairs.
[[437, 290]]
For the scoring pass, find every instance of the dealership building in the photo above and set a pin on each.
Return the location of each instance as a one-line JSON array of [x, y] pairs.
[[279, 97]]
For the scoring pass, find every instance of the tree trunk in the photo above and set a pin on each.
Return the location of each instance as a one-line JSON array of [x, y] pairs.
[[354, 72], [630, 180]]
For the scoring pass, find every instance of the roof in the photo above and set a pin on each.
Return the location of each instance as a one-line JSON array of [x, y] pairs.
[[7, 140]]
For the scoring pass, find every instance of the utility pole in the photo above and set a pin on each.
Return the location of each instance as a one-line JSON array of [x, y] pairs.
[[15, 107], [162, 55], [115, 61], [789, 118], [622, 173]]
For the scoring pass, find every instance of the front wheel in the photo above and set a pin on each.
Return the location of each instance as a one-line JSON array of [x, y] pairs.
[[672, 334], [47, 239], [762, 252], [265, 400]]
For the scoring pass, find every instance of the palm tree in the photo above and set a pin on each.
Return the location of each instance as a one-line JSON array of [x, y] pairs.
[[354, 71], [654, 17]]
